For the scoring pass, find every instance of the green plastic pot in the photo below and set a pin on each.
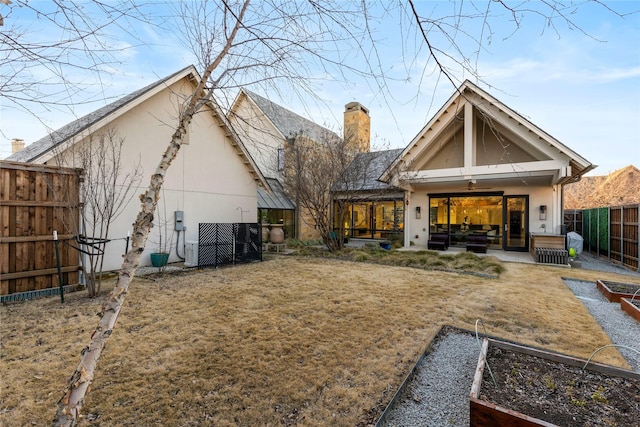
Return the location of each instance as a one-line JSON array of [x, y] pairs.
[[159, 259]]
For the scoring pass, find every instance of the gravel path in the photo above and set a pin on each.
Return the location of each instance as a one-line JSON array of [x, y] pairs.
[[438, 395], [621, 328], [592, 262]]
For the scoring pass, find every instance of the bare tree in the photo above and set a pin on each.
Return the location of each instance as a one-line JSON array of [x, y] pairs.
[[315, 171], [106, 190], [326, 177], [41, 73], [359, 184]]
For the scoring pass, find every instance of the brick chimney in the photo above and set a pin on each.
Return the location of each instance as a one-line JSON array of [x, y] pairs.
[[16, 145], [357, 125]]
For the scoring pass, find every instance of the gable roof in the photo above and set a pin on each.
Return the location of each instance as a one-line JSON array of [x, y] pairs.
[[43, 149], [496, 113], [44, 145], [286, 121]]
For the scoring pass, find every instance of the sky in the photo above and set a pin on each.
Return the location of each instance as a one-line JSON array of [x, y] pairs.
[[580, 85]]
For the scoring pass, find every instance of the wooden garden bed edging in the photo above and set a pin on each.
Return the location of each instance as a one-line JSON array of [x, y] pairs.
[[612, 295], [630, 308], [484, 413]]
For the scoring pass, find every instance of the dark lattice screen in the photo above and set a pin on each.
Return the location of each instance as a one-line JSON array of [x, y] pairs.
[[248, 243], [222, 244]]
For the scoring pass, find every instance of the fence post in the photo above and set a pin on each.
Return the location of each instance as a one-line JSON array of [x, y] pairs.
[[609, 233], [55, 243], [621, 235], [589, 229], [598, 233]]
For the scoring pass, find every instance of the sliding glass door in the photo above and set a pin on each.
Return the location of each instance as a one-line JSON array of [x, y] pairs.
[[460, 215]]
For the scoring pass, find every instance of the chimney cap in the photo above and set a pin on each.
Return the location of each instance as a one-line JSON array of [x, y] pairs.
[[17, 144], [354, 106]]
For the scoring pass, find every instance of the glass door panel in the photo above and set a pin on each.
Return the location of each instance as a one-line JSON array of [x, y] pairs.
[[439, 215], [362, 220], [516, 223]]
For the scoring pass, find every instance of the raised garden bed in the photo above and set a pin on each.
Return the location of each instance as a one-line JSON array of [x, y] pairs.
[[631, 307], [614, 291], [540, 388]]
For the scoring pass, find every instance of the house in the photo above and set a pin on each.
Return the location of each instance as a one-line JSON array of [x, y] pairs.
[[213, 179], [265, 127], [480, 167]]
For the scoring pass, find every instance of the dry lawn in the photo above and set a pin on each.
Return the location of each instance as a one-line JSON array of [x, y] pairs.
[[303, 341]]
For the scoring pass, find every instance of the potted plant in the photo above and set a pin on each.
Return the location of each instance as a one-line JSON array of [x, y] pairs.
[[160, 257]]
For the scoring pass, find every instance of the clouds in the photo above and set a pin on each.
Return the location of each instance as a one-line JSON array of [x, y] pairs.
[[584, 89]]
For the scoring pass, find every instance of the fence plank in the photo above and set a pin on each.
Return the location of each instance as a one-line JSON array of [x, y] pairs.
[[34, 201]]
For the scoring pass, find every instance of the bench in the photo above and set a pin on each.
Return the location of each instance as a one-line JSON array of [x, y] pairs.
[[438, 241], [477, 243]]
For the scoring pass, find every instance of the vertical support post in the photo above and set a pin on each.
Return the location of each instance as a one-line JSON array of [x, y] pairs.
[[469, 136], [621, 235], [584, 229], [638, 235], [598, 232], [609, 233], [56, 243]]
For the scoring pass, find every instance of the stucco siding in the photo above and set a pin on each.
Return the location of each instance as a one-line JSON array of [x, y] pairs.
[[451, 154], [417, 232], [493, 151], [207, 180]]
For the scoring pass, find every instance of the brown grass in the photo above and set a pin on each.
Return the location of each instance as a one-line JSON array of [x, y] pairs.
[[288, 341]]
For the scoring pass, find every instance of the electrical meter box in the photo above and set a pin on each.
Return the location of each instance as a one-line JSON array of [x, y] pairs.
[[179, 220]]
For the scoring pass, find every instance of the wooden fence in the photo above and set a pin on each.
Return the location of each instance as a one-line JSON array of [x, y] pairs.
[[611, 232], [35, 201]]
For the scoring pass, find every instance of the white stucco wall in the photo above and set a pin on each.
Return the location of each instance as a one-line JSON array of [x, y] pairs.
[[207, 180], [538, 195]]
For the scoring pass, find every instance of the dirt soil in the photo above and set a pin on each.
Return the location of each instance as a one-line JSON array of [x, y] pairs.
[[622, 288], [560, 394]]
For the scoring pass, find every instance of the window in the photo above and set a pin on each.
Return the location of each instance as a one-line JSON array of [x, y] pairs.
[[280, 159], [461, 215], [381, 219]]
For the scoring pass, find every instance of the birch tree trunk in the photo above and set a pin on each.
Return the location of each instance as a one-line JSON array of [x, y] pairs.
[[70, 405]]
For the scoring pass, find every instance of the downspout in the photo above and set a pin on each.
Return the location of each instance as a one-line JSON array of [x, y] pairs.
[[407, 224], [571, 180]]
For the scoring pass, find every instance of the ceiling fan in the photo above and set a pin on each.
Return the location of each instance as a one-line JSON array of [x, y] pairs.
[[472, 186]]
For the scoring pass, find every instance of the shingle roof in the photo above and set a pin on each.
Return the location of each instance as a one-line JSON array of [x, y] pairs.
[[286, 121], [49, 142], [276, 199], [365, 170]]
